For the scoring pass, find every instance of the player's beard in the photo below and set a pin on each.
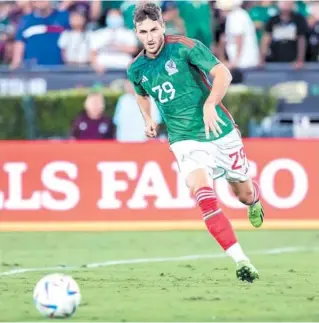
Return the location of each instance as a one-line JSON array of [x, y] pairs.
[[158, 49]]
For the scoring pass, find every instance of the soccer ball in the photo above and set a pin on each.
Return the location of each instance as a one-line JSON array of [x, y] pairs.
[[56, 295]]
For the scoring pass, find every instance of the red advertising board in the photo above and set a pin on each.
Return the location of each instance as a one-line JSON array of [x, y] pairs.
[[110, 186]]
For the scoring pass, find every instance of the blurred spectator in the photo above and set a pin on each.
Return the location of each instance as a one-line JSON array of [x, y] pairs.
[[6, 32], [127, 9], [218, 29], [19, 9], [75, 43], [92, 9], [130, 125], [240, 36], [173, 22], [114, 45], [313, 43], [106, 6], [10, 15], [285, 36], [198, 20], [260, 13], [38, 34], [313, 48], [313, 8], [302, 8], [92, 123]]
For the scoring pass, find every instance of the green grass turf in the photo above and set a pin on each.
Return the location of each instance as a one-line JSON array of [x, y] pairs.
[[192, 290]]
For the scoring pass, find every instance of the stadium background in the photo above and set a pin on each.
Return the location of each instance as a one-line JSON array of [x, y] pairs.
[[51, 178]]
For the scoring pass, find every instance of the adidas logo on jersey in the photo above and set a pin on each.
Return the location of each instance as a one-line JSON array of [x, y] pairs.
[[144, 79]]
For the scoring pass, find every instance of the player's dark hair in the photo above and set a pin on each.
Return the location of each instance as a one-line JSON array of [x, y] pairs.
[[147, 10]]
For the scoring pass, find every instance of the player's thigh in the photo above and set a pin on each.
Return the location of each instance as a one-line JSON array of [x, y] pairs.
[[230, 155], [195, 162]]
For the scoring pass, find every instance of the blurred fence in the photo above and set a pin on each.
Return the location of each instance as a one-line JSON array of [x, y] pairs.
[[47, 185], [294, 87]]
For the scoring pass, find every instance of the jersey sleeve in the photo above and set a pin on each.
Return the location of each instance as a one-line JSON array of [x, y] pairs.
[[137, 86], [202, 57]]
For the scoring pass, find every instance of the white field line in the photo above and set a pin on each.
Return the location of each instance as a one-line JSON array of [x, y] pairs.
[[274, 251]]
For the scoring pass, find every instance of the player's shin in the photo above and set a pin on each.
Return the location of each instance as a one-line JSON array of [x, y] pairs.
[[218, 224]]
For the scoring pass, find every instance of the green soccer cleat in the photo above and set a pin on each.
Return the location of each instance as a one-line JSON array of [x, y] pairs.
[[246, 271], [256, 214]]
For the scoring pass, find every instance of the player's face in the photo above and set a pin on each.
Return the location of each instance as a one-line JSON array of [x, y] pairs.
[[151, 34]]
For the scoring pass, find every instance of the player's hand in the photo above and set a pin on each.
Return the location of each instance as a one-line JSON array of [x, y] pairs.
[[212, 120], [299, 64], [14, 65], [261, 63], [151, 129], [99, 69]]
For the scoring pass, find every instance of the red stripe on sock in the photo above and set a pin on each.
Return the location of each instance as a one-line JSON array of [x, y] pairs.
[[204, 196], [218, 224], [221, 229]]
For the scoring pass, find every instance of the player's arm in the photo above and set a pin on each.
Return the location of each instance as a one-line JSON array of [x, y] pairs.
[[203, 58], [144, 103], [222, 80]]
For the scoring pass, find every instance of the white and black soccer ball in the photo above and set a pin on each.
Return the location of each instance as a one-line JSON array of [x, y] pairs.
[[57, 295]]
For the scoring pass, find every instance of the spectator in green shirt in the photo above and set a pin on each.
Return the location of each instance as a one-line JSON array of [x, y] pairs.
[[127, 8], [302, 8], [197, 18], [260, 14], [173, 22]]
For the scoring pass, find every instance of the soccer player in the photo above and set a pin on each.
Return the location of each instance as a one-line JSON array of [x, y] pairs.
[[202, 134]]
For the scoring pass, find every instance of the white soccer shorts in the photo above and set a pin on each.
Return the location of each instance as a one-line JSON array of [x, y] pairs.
[[223, 157]]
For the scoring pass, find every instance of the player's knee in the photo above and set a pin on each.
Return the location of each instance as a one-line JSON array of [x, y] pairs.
[[246, 197], [198, 179]]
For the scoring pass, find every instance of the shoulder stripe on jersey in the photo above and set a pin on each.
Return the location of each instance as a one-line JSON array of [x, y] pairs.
[[136, 57], [204, 79], [180, 39]]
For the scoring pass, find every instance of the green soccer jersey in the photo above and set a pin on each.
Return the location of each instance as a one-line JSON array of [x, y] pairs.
[[177, 80], [261, 14]]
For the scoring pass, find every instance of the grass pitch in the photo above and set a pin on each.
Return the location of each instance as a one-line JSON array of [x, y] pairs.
[[169, 291]]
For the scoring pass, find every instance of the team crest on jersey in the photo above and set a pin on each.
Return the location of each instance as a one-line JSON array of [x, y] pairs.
[[170, 67]]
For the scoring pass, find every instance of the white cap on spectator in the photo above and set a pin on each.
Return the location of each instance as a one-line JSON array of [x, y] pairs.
[[227, 5]]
